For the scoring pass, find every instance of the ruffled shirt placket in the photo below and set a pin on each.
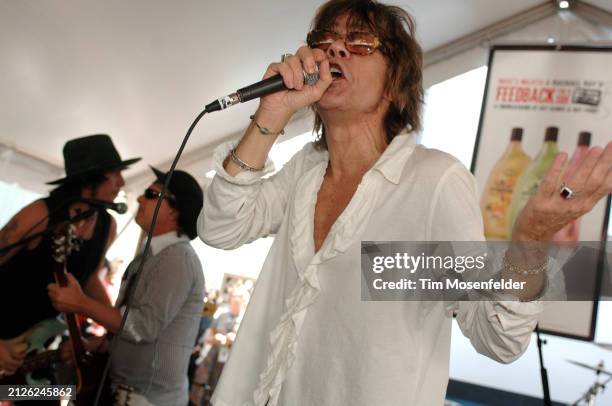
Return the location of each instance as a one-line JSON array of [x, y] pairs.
[[343, 233]]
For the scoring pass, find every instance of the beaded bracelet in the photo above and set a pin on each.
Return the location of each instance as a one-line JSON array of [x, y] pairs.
[[241, 163], [522, 271], [265, 130]]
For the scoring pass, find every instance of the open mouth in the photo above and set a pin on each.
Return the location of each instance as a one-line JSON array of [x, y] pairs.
[[336, 72]]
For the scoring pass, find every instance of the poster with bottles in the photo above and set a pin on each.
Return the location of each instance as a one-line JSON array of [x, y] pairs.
[[539, 101]]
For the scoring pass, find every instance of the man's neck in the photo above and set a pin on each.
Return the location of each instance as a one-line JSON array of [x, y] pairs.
[[354, 149], [163, 229]]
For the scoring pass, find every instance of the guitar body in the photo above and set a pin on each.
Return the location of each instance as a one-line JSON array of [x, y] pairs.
[[41, 334], [89, 376], [38, 357]]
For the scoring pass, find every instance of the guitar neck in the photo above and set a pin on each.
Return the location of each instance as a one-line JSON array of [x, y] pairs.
[[71, 320]]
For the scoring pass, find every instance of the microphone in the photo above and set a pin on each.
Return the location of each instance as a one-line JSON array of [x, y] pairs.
[[120, 208], [260, 89]]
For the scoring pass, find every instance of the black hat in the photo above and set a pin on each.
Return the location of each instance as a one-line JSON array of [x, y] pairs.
[[189, 199], [90, 155]]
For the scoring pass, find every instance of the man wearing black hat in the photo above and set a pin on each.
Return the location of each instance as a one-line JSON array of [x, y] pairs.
[[151, 358], [93, 171]]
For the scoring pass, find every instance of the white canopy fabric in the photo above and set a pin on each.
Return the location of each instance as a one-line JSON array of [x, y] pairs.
[[142, 70]]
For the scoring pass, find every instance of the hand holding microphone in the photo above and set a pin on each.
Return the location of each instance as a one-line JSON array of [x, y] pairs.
[[298, 95], [283, 90]]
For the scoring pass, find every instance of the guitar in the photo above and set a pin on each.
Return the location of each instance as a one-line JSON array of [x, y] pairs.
[[88, 366], [38, 357]]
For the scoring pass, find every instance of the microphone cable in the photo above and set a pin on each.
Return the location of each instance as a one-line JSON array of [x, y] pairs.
[[136, 277], [259, 89]]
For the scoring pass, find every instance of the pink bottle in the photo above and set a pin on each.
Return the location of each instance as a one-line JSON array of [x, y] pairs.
[[571, 231]]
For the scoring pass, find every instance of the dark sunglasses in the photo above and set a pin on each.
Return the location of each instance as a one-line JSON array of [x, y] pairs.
[[154, 194], [359, 43]]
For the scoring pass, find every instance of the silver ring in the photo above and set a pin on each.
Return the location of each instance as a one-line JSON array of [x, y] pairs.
[[284, 57], [566, 192]]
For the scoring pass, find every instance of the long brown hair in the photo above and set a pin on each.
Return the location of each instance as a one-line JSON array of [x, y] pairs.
[[396, 30]]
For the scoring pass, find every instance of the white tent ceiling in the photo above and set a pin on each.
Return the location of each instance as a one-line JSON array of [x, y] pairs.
[[141, 70]]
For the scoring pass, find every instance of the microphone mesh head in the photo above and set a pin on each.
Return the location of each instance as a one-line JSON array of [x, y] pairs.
[[311, 79], [121, 208]]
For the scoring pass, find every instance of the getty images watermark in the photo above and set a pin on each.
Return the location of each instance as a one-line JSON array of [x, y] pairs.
[[446, 270]]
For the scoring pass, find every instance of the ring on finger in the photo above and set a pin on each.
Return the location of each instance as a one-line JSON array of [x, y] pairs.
[[566, 192], [284, 57]]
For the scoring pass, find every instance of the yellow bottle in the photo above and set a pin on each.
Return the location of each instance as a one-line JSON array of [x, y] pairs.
[[500, 185], [529, 182]]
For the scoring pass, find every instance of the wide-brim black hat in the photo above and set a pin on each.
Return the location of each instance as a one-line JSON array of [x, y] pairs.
[[188, 198], [91, 155]]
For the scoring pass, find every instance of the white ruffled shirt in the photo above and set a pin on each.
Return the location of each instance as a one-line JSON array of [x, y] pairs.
[[307, 338]]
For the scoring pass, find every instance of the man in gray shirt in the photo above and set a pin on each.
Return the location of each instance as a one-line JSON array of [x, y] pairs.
[[150, 360]]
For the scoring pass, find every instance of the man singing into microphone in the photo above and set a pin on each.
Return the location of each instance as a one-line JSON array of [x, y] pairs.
[[307, 338], [93, 171], [149, 363]]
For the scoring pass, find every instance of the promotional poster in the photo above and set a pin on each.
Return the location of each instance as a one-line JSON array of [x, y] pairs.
[[540, 101]]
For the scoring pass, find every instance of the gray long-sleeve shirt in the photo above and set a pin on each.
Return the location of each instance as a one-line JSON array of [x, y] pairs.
[[153, 351]]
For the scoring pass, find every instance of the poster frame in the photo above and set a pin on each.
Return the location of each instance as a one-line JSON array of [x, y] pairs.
[[590, 336]]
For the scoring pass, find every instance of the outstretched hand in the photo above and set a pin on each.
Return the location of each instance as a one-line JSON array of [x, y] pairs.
[[548, 211]]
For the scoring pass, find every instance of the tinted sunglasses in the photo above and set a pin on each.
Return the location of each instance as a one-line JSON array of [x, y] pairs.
[[359, 43], [154, 194]]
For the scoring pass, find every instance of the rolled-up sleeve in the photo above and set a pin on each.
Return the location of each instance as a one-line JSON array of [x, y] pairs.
[[239, 209], [159, 297], [500, 330]]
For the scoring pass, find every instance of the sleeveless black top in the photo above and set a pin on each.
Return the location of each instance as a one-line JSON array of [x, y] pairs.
[[24, 300]]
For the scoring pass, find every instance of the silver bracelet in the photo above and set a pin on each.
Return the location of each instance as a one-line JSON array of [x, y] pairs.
[[241, 163]]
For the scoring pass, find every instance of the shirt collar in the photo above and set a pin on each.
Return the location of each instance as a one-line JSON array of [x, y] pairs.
[[391, 162], [162, 241]]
